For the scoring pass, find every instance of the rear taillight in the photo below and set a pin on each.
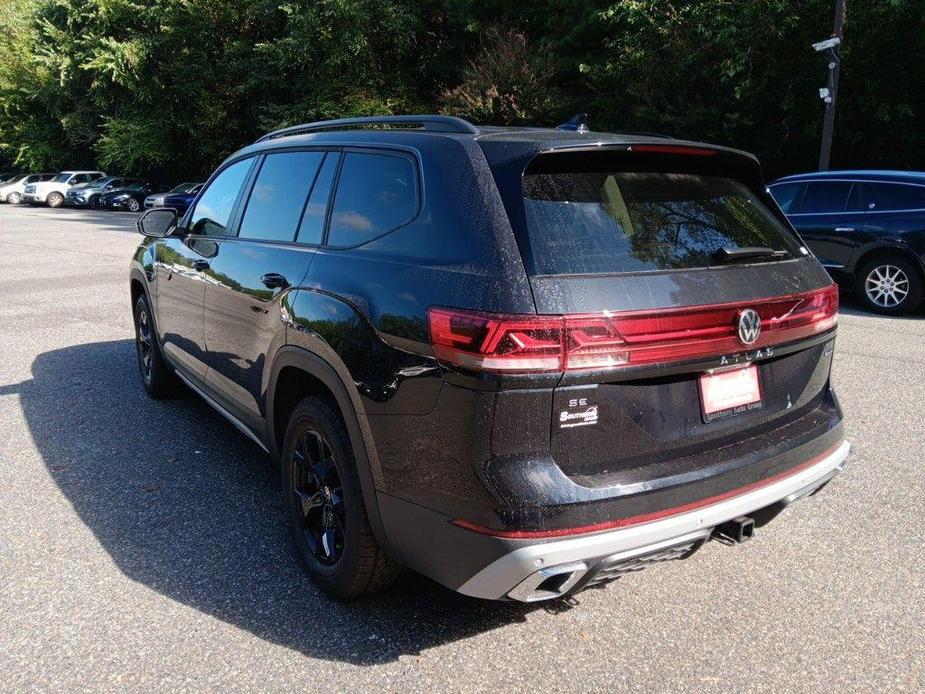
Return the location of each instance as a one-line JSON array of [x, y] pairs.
[[530, 344]]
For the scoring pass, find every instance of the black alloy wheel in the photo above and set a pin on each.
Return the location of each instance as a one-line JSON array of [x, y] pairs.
[[144, 345], [327, 511], [319, 497], [157, 378]]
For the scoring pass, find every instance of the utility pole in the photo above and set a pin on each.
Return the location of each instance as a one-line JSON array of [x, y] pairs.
[[830, 94]]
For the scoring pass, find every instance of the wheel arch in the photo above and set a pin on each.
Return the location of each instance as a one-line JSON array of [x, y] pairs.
[[297, 373], [887, 250]]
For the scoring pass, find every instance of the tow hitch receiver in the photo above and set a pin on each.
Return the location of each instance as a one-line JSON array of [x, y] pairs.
[[738, 530]]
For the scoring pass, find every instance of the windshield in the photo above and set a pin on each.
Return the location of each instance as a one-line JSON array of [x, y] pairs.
[[184, 188], [61, 178], [611, 222], [100, 182]]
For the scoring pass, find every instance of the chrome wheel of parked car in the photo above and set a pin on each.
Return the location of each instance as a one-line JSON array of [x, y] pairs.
[[890, 284], [887, 286], [55, 200], [133, 205], [14, 198]]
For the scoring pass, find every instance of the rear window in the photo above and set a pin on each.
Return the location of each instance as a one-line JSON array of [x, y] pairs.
[[600, 222], [893, 196]]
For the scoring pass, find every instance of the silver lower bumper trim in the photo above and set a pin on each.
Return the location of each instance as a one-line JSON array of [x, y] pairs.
[[515, 574]]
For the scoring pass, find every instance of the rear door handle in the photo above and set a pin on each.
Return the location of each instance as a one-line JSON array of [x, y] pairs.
[[273, 280], [844, 229], [201, 265]]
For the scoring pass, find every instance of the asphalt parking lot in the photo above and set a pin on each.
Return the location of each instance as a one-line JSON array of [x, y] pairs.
[[143, 545]]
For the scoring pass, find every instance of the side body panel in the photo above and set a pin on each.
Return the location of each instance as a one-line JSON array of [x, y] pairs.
[[180, 291], [242, 318]]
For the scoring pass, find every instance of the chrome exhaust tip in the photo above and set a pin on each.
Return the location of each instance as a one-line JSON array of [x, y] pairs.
[[549, 583]]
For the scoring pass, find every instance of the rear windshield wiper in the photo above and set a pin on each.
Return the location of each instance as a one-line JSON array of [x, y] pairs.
[[731, 255]]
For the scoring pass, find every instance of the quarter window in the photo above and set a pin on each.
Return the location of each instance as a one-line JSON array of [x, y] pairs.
[[278, 197], [786, 194], [376, 193], [210, 217], [825, 197], [893, 196]]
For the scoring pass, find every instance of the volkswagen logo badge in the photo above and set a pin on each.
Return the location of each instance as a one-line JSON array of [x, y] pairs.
[[749, 326]]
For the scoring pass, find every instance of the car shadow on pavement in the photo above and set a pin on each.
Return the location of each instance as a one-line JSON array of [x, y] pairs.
[[185, 505]]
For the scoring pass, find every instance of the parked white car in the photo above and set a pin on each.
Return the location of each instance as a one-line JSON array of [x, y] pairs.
[[12, 191], [52, 192]]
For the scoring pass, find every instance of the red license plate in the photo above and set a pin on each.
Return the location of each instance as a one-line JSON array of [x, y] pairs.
[[729, 392]]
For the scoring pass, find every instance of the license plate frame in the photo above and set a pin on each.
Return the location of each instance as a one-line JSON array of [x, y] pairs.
[[728, 393]]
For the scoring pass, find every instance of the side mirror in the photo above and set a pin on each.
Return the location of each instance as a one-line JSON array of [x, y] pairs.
[[157, 223]]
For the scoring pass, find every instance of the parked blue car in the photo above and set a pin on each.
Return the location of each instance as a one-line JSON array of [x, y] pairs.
[[866, 227], [181, 201]]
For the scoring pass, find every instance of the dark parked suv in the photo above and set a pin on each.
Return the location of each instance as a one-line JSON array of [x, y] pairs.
[[866, 227], [519, 361]]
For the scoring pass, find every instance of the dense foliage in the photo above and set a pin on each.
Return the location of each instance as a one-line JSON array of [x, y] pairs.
[[167, 88]]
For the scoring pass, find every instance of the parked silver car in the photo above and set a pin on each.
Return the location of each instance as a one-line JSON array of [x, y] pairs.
[[157, 200], [12, 190]]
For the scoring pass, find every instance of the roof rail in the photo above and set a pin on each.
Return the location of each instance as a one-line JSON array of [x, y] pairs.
[[431, 123]]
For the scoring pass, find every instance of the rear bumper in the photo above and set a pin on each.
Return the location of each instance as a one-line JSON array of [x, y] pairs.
[[545, 570]]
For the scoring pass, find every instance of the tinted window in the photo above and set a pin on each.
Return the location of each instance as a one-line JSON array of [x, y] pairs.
[[893, 196], [603, 222], [312, 227], [786, 194], [214, 208], [61, 178], [278, 197], [825, 197], [375, 194]]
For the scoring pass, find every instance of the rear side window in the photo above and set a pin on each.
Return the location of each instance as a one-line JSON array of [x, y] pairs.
[[278, 197], [612, 222], [311, 228], [827, 197], [786, 194], [893, 196], [210, 217], [376, 193]]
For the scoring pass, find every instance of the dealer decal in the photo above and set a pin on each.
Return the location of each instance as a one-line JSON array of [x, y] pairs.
[[578, 414]]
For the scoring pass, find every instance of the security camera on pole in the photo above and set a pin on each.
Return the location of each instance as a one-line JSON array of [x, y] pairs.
[[829, 93]]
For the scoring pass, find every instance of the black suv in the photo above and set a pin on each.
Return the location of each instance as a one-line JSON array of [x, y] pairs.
[[867, 228], [519, 361]]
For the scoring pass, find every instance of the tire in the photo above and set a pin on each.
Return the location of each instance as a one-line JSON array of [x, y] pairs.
[[156, 377], [94, 203], [133, 205], [14, 198], [324, 501], [54, 200], [889, 284]]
